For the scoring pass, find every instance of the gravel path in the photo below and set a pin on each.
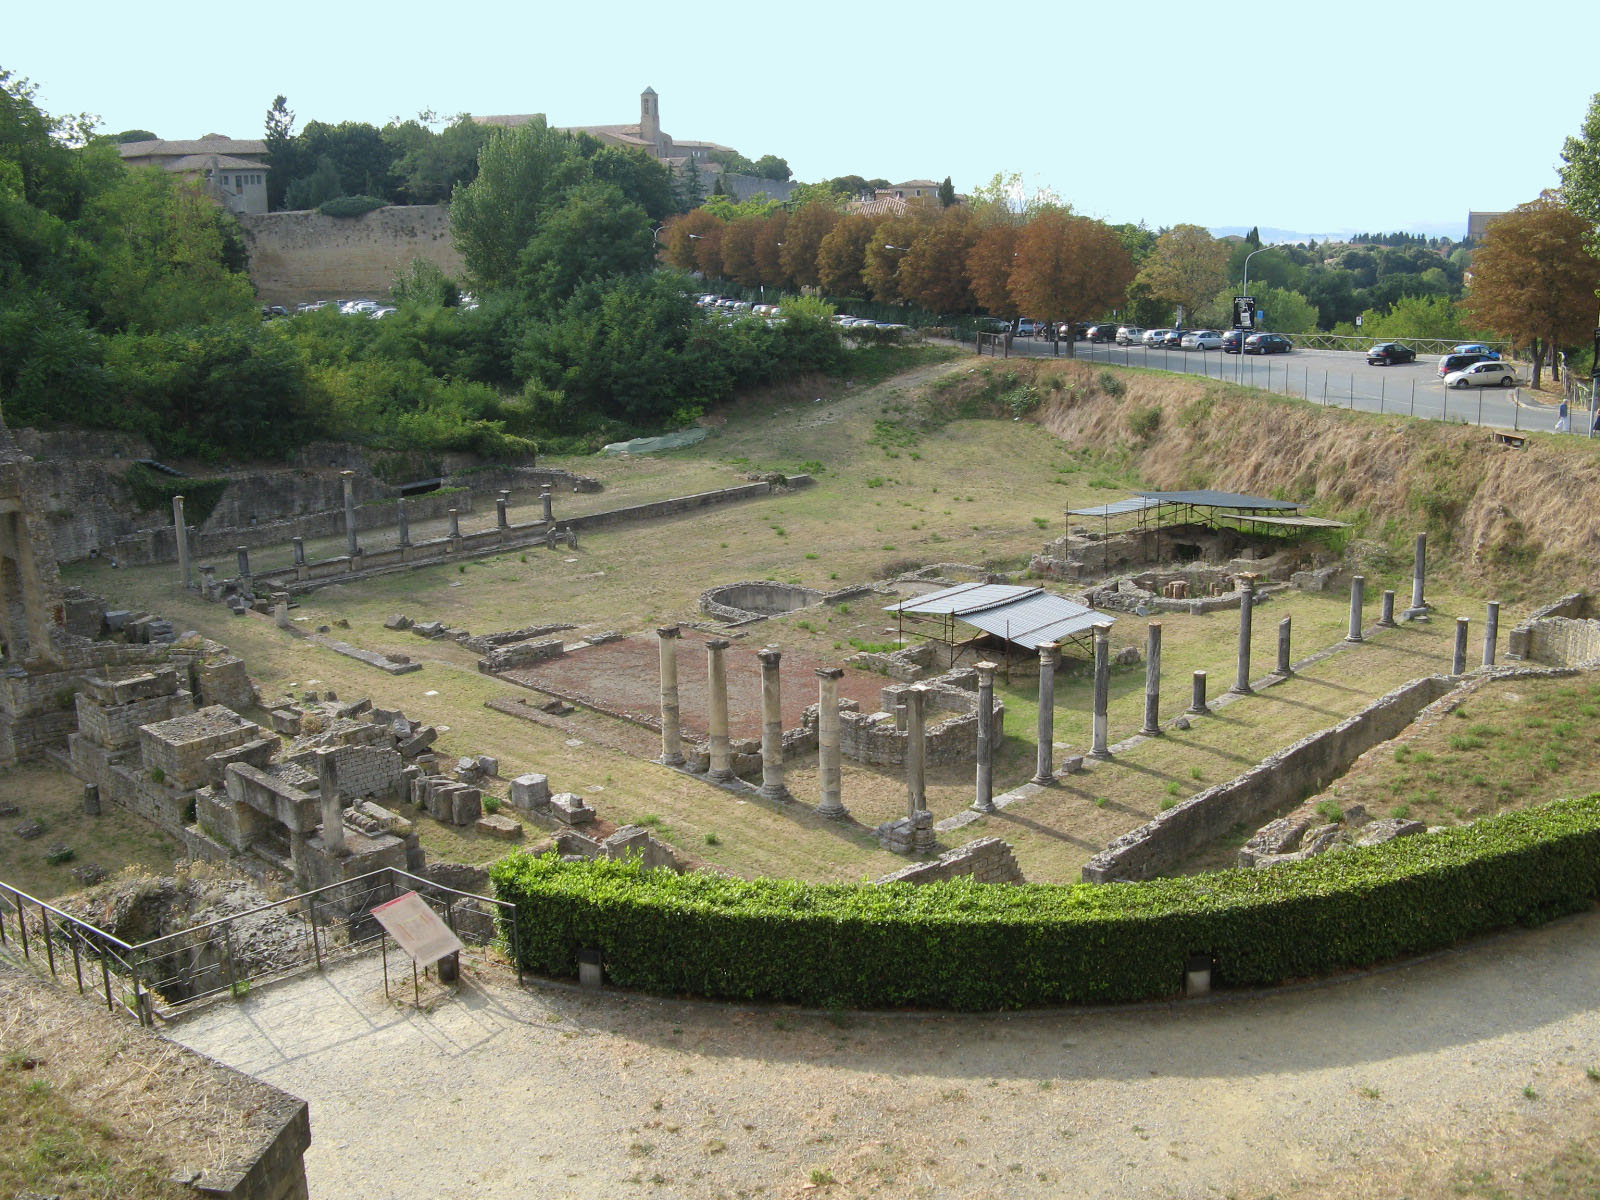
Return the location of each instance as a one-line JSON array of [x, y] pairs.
[[1402, 1082]]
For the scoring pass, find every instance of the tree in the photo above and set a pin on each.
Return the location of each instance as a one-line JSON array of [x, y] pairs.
[[523, 173], [596, 233], [891, 242], [1534, 278], [1580, 172], [842, 255], [771, 241], [644, 181], [1069, 267], [770, 166], [989, 264], [425, 283], [311, 190], [428, 162], [1188, 266], [684, 233], [933, 275], [282, 152], [358, 152], [1416, 317], [739, 251], [802, 241], [947, 192]]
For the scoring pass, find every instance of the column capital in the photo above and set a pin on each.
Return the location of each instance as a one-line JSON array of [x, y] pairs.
[[986, 670], [830, 672], [769, 655], [718, 644], [668, 631]]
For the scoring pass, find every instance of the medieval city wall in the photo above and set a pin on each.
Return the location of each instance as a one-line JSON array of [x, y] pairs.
[[297, 256]]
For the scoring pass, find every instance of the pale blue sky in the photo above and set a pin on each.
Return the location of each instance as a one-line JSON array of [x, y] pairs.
[[1384, 116]]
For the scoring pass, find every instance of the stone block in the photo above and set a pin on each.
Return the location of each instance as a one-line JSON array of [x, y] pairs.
[[500, 826], [418, 741], [530, 791], [28, 830], [1386, 829], [466, 806], [489, 765], [569, 807]]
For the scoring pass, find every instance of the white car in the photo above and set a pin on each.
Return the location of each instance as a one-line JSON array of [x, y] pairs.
[[1154, 337], [1484, 374], [1128, 334], [1202, 339]]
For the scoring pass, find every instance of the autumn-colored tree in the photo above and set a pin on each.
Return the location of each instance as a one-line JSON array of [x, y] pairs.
[[1188, 266], [802, 241], [842, 255], [891, 243], [739, 250], [989, 264], [1069, 267], [771, 239], [682, 234], [933, 274], [1534, 278]]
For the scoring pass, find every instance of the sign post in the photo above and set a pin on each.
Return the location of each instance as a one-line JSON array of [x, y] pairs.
[[418, 931]]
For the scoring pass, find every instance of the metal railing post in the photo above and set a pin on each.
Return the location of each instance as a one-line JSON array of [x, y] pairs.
[[105, 978], [49, 942], [77, 962], [316, 947], [233, 970]]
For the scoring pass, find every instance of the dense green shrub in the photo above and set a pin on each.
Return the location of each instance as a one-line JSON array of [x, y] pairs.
[[350, 206], [154, 491], [970, 946]]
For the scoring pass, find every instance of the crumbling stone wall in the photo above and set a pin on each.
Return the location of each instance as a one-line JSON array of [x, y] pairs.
[[987, 860], [297, 256], [1279, 780], [880, 739]]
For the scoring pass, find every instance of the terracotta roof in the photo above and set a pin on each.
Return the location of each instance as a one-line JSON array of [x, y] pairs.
[[165, 149], [884, 206], [221, 162]]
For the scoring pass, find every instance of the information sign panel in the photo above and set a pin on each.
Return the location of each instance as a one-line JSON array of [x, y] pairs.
[[417, 928]]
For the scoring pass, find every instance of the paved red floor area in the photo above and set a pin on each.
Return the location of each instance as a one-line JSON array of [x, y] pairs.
[[624, 678]]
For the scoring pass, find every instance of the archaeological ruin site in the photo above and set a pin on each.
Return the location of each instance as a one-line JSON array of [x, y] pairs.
[[850, 707]]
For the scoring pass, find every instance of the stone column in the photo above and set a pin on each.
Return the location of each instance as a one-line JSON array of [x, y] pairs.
[[243, 553], [1419, 570], [1285, 637], [1197, 704], [984, 801], [1047, 714], [671, 731], [299, 545], [1247, 603], [348, 478], [503, 499], [181, 530], [720, 767], [332, 803], [1152, 681], [91, 800], [405, 525], [280, 610], [547, 498], [1102, 691], [1458, 661], [1386, 616], [772, 787], [916, 749], [1358, 593], [1491, 632], [828, 762], [455, 523]]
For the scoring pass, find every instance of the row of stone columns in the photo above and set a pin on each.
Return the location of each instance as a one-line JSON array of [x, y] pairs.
[[352, 544]]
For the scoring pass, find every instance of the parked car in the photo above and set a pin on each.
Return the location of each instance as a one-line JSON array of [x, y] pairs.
[[1153, 337], [1487, 373], [1127, 335], [1267, 343], [1102, 333], [1027, 327], [1451, 363], [1233, 341], [274, 310], [1202, 339], [1386, 354], [1475, 348]]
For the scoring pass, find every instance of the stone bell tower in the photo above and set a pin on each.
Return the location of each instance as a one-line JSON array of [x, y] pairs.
[[650, 117]]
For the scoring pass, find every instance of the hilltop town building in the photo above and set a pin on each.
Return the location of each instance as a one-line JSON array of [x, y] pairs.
[[232, 170]]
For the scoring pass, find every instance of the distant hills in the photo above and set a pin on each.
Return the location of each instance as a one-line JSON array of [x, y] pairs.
[[1271, 235]]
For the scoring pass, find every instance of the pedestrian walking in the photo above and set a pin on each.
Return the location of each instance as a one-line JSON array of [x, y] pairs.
[[1563, 418]]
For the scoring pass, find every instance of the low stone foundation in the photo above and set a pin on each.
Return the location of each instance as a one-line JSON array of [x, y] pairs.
[[986, 860]]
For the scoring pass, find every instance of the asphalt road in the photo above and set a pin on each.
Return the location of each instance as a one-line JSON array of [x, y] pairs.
[[1338, 378]]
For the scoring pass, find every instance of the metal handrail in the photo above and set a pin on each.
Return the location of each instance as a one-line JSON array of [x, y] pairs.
[[136, 961]]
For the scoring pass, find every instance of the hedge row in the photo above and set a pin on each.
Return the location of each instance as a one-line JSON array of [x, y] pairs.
[[968, 946]]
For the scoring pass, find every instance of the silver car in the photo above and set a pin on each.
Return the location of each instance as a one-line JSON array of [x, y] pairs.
[[1127, 335], [1202, 339], [1484, 374]]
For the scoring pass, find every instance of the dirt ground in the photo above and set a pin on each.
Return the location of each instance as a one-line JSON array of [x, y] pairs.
[[1469, 1073], [624, 678]]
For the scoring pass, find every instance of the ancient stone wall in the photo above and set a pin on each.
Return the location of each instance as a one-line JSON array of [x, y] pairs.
[[987, 860], [1279, 780], [296, 256], [1562, 641]]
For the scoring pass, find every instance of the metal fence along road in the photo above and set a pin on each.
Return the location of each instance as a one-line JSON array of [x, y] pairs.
[[1339, 379]]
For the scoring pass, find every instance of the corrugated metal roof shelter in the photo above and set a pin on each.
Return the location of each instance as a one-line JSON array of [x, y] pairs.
[[1028, 617], [1210, 499]]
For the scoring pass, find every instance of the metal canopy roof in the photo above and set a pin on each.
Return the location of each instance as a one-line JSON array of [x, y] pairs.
[[1211, 499], [1027, 616], [1300, 522], [1116, 508]]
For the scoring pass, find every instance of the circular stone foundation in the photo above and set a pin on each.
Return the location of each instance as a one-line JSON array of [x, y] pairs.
[[748, 601]]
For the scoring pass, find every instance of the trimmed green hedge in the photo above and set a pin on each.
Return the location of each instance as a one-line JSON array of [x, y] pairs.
[[971, 946]]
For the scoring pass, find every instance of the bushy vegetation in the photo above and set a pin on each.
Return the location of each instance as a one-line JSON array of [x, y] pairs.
[[971, 946]]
